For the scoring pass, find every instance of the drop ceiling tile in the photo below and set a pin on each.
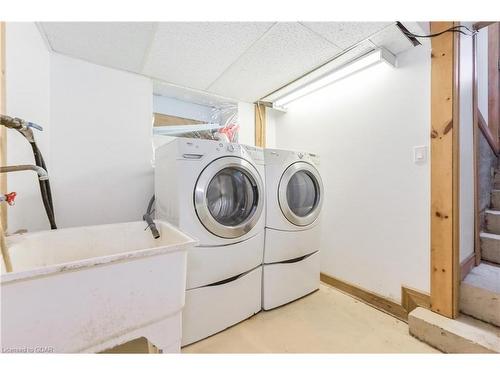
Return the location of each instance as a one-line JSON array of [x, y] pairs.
[[119, 45], [194, 54], [286, 52], [392, 39], [345, 34]]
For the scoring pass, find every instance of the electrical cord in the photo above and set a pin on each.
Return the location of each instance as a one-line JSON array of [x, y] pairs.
[[454, 29]]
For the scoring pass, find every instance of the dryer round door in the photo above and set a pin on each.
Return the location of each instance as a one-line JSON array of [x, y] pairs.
[[229, 197], [300, 193]]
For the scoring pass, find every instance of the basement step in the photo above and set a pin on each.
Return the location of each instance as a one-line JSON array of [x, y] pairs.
[[480, 293], [490, 247], [462, 335], [492, 221], [495, 199]]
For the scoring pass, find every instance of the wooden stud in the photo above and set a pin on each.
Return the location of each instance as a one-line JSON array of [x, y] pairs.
[[3, 151], [260, 125], [444, 171]]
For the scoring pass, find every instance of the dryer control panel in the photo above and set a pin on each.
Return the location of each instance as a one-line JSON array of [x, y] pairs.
[[256, 153]]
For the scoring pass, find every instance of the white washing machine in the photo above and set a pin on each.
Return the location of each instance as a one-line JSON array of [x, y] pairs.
[[291, 266], [215, 192]]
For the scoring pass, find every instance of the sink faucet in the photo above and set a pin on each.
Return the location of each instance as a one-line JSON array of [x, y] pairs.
[[42, 173]]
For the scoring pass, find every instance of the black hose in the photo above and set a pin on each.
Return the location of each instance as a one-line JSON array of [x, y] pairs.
[[148, 219], [44, 187]]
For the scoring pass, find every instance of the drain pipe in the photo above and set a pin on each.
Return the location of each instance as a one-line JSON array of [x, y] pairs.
[[42, 173]]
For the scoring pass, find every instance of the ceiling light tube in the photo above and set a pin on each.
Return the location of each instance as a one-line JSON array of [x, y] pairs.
[[370, 59]]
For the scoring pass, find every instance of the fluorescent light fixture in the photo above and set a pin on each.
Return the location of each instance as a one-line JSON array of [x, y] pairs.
[[370, 59]]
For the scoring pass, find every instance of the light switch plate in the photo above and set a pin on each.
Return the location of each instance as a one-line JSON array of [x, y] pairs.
[[419, 154]]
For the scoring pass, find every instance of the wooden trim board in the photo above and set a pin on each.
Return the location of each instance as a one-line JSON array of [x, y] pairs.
[[444, 171], [375, 300], [467, 265], [412, 298], [260, 125]]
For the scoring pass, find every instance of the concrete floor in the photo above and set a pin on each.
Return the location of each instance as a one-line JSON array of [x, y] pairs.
[[326, 321]]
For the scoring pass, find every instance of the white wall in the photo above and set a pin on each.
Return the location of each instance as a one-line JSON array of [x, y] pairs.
[[101, 124], [482, 72], [466, 148], [27, 97], [376, 213], [246, 119], [271, 115]]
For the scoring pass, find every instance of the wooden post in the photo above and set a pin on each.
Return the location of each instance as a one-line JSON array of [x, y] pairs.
[[444, 172], [3, 148], [260, 125]]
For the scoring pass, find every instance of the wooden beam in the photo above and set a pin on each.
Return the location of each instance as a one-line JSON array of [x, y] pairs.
[[444, 171], [3, 152], [160, 119], [260, 125]]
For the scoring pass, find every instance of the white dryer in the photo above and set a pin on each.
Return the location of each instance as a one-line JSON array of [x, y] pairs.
[[215, 192], [292, 236]]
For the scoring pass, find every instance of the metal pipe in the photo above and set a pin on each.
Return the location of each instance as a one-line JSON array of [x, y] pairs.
[[42, 173]]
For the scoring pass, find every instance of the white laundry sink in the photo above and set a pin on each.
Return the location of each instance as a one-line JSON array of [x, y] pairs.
[[88, 289]]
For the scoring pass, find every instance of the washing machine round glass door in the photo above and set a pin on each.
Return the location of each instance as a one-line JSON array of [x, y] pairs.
[[229, 197], [300, 193]]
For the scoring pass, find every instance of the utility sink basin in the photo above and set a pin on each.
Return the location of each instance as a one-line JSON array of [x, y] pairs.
[[88, 289]]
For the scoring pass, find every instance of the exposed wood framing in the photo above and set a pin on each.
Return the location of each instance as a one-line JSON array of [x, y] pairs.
[[467, 265], [260, 125], [3, 144], [160, 119], [445, 268], [412, 298], [375, 300]]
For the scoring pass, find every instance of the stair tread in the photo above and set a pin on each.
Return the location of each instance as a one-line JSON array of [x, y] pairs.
[[465, 334], [492, 236], [484, 276], [492, 212]]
